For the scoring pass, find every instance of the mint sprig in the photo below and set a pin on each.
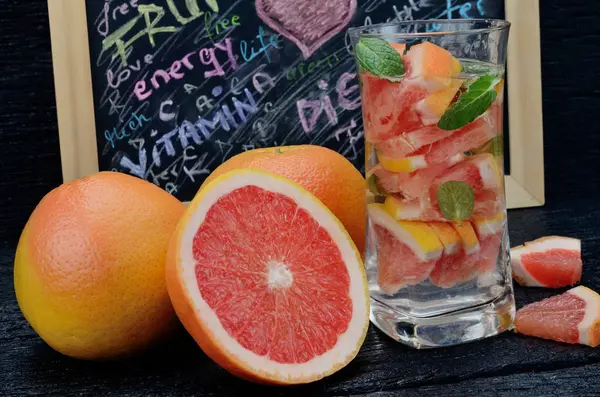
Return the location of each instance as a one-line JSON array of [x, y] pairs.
[[456, 200], [495, 147], [372, 184], [470, 104], [379, 58]]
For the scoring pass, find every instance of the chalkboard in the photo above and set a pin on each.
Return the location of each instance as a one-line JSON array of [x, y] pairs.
[[179, 86]]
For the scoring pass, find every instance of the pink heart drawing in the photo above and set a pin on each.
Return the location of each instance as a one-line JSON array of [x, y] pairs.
[[307, 23]]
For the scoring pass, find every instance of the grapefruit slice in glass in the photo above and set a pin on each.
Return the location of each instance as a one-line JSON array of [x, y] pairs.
[[572, 317], [406, 251], [550, 262], [267, 281], [447, 272], [489, 231]]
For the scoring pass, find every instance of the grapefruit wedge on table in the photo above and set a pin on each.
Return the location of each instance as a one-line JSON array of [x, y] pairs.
[[572, 317], [550, 262], [267, 280]]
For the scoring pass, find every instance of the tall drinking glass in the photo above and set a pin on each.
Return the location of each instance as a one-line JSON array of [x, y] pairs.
[[437, 244]]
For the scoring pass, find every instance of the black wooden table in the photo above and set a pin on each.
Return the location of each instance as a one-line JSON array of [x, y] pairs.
[[506, 365]]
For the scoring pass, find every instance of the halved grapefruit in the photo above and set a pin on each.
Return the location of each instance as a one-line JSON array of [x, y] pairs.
[[550, 262], [406, 251], [572, 317], [267, 281]]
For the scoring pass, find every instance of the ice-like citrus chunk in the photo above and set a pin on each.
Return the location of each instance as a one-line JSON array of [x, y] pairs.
[[406, 251]]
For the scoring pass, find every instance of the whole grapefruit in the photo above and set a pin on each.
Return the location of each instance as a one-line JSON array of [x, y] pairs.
[[322, 171], [89, 268]]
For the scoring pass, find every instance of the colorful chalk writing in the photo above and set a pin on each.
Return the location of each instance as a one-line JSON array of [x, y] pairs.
[[182, 85]]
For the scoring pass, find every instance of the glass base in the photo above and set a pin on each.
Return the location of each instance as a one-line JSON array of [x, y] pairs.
[[448, 329]]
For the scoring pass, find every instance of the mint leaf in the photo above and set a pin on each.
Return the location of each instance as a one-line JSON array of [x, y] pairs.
[[494, 146], [456, 200], [379, 58], [470, 104], [372, 184], [497, 146]]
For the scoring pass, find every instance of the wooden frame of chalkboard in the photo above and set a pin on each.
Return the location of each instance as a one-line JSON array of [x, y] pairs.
[[77, 128]]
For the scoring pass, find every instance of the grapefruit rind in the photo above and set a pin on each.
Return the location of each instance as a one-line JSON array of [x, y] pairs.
[[530, 319], [415, 234], [520, 273], [406, 164], [589, 327], [468, 236], [201, 321]]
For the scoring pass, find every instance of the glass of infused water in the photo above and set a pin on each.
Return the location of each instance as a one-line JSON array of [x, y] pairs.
[[437, 243]]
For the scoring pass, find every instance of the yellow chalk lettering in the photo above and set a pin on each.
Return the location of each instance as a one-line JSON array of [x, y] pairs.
[[192, 6], [151, 29]]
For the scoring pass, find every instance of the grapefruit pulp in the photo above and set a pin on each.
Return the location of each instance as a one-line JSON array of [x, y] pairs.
[[267, 280], [407, 251], [550, 262], [572, 317]]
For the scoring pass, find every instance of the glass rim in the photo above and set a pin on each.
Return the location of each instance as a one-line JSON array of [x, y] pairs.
[[494, 26]]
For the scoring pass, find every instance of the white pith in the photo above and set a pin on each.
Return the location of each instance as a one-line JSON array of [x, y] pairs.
[[489, 172], [488, 227], [347, 342], [279, 275], [592, 311], [380, 217], [410, 210], [539, 245]]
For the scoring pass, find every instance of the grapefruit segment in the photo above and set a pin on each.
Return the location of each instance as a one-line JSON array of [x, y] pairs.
[[414, 184], [447, 272], [406, 164], [388, 107], [572, 317], [468, 237], [481, 172], [406, 251], [399, 47], [550, 262], [267, 281], [431, 108], [415, 209], [409, 142], [489, 231], [462, 140], [433, 66]]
